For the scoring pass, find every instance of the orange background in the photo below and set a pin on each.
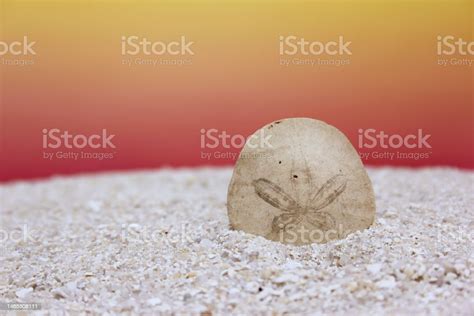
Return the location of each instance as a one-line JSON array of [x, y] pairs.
[[235, 83]]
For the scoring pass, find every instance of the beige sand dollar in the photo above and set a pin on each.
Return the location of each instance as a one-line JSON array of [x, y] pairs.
[[300, 181]]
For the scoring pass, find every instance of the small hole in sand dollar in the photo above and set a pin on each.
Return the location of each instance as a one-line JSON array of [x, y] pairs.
[[295, 176]]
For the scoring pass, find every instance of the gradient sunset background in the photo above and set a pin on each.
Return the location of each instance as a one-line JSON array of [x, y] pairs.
[[235, 82]]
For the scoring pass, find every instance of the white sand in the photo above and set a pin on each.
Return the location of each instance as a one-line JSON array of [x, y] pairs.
[[417, 258]]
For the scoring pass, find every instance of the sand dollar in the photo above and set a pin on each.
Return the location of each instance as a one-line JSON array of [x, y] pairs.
[[300, 181]]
